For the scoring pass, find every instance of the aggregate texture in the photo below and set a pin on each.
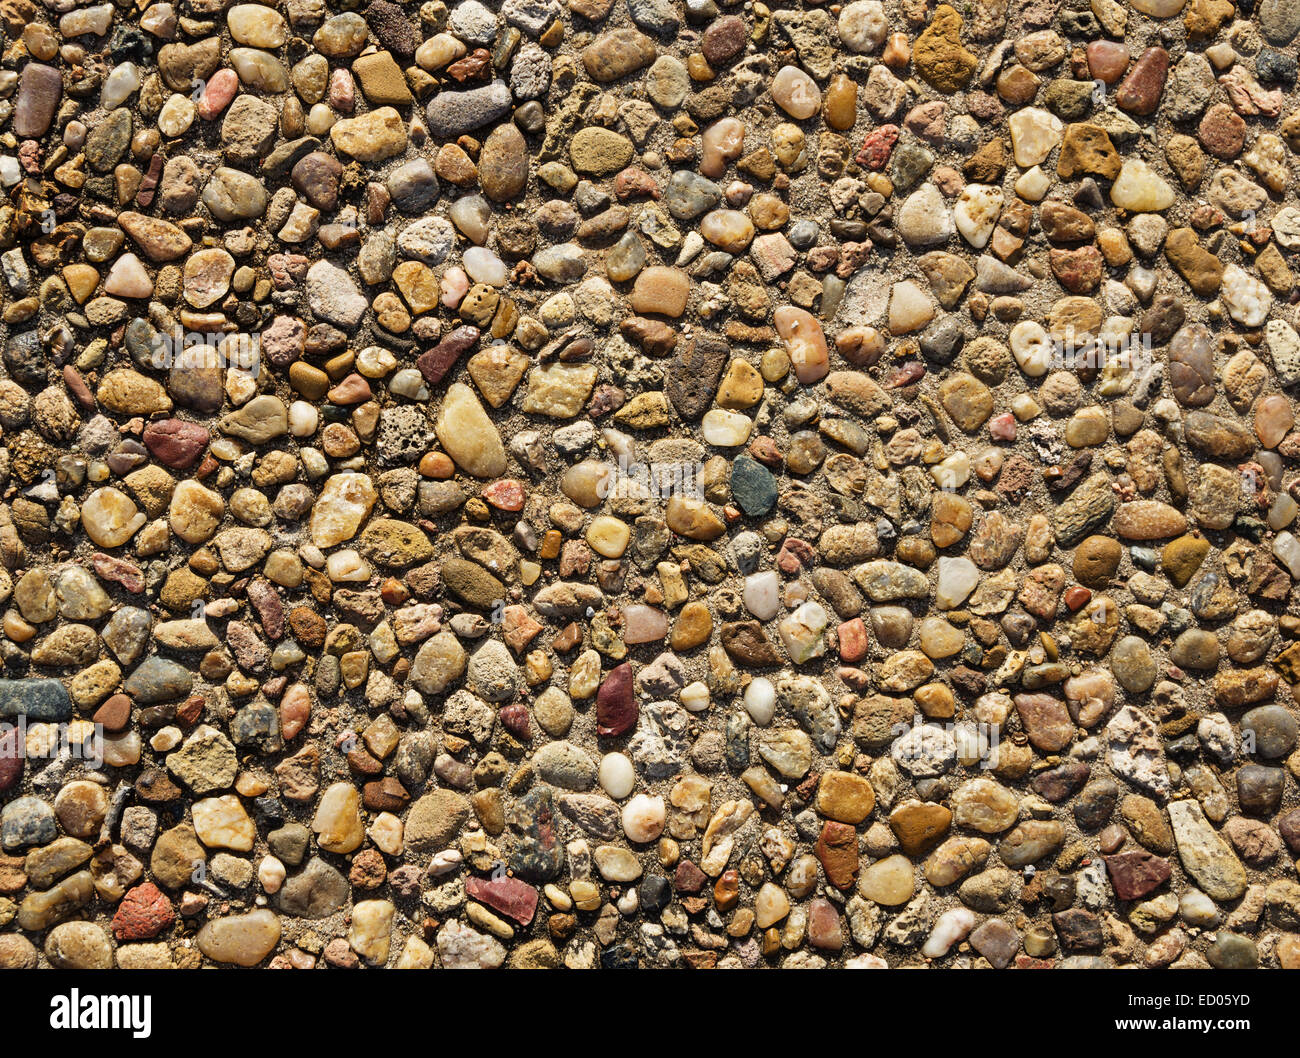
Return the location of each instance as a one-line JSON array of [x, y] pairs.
[[649, 483]]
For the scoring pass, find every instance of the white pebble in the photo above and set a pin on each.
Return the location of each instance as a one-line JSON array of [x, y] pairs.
[[953, 472], [1287, 549], [643, 817], [760, 700], [320, 119], [1245, 297], [957, 579], [1033, 184], [762, 594], [118, 85], [863, 25], [374, 361], [166, 738], [484, 266], [726, 429], [953, 925], [303, 418], [312, 555], [616, 775], [1198, 909], [444, 862], [695, 697], [347, 567], [409, 383], [1032, 347], [270, 873], [976, 212]]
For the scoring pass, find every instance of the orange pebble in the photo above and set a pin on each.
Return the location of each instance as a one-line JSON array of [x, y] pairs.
[[898, 52], [436, 465]]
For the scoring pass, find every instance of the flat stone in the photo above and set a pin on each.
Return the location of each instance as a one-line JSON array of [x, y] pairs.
[[1205, 856]]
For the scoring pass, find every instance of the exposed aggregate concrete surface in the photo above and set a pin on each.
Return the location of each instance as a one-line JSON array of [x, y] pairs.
[[647, 483]]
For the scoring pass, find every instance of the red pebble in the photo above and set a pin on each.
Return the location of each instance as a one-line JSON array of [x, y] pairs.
[[1077, 598], [29, 157], [635, 183], [144, 912], [119, 571], [78, 388], [688, 878], [394, 592], [509, 896], [877, 147], [1139, 92], [175, 443], [905, 374], [436, 362], [343, 92], [616, 708], [514, 718], [505, 495], [795, 554], [1107, 60], [764, 449], [295, 710], [189, 711], [12, 759], [853, 640]]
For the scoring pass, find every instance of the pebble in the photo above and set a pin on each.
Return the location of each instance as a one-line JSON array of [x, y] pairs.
[[468, 434], [600, 152], [924, 218], [888, 882], [240, 940], [1139, 189], [40, 88], [796, 93], [1205, 856], [1034, 134], [617, 776], [805, 342], [862, 25], [450, 114]]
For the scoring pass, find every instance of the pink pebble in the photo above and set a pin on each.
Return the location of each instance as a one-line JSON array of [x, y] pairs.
[[295, 710], [218, 93], [455, 285], [343, 91], [1003, 427], [947, 180], [1107, 60], [352, 390], [29, 157], [738, 193]]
